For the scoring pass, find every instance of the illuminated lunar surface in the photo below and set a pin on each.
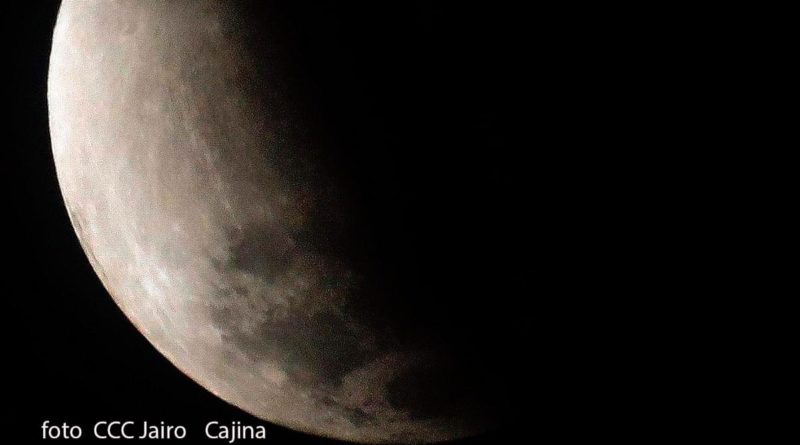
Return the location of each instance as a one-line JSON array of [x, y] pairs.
[[200, 200]]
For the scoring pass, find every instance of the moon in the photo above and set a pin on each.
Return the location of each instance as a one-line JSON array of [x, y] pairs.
[[208, 206]]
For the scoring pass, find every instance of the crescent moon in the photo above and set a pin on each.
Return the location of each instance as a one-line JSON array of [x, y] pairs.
[[201, 201]]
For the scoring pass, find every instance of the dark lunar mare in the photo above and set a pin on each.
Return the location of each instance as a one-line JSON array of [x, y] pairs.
[[406, 104]]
